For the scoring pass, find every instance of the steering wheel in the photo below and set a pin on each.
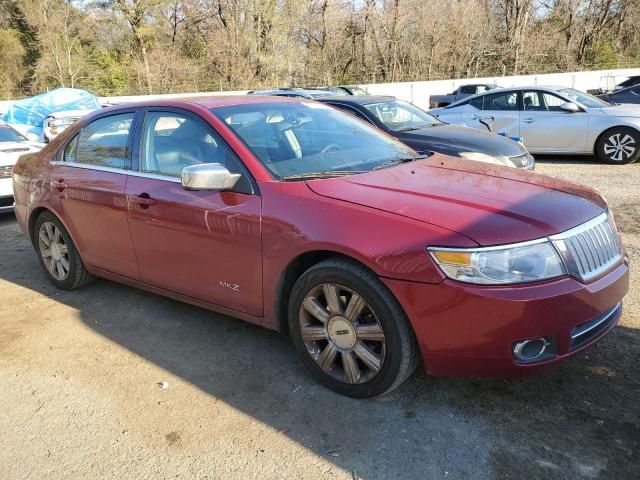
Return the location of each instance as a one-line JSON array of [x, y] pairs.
[[332, 147]]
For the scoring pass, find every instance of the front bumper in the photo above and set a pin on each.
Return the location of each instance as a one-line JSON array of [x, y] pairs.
[[6, 195], [470, 330]]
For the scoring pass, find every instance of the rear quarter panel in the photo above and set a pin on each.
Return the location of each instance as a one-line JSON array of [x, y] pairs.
[[31, 183]]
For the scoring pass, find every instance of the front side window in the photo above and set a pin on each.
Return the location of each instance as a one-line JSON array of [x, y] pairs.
[[292, 139], [500, 101], [172, 141], [538, 101], [583, 99], [401, 116], [104, 142]]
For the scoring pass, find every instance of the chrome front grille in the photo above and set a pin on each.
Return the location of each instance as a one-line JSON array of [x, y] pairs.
[[5, 171], [591, 248]]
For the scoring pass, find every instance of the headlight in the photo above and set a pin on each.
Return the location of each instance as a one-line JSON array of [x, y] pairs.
[[483, 157], [517, 263]]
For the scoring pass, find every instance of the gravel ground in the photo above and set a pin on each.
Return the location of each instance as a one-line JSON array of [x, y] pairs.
[[82, 376]]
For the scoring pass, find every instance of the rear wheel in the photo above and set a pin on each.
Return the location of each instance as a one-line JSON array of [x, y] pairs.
[[58, 254], [350, 331], [620, 145]]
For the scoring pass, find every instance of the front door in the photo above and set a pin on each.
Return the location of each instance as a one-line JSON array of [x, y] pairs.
[[203, 244], [87, 190], [545, 127]]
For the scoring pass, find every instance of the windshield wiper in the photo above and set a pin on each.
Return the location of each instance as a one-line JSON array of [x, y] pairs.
[[326, 174], [411, 129], [397, 161]]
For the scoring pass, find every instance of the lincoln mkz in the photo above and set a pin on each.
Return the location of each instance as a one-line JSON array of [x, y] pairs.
[[293, 215]]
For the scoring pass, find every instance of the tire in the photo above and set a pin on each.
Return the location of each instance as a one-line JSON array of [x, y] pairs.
[[360, 343], [619, 146], [58, 254]]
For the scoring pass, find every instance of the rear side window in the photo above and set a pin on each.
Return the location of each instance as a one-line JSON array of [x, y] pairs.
[[501, 101], [104, 142], [476, 102]]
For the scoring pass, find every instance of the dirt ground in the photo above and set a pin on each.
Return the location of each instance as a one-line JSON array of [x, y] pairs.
[[82, 376]]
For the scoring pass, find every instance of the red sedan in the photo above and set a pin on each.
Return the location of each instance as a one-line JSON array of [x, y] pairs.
[[293, 215]]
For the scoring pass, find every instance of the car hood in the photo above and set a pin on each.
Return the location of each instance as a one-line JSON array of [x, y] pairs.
[[622, 110], [11, 151], [455, 138], [489, 204]]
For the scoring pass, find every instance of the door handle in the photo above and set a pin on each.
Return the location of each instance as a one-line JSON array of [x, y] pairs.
[[143, 200], [528, 120], [60, 185]]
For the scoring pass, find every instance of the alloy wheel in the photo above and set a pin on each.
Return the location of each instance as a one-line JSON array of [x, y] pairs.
[[620, 146], [54, 250], [342, 333]]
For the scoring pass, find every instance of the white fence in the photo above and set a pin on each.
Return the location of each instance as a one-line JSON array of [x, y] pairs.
[[419, 92]]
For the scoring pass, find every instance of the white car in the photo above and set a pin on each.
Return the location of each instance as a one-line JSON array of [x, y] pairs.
[[553, 120], [57, 122], [12, 145]]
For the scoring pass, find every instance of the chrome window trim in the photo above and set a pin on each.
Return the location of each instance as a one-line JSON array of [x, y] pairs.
[[121, 171], [154, 176], [88, 166]]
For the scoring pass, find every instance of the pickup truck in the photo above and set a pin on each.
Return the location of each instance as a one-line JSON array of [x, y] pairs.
[[463, 91]]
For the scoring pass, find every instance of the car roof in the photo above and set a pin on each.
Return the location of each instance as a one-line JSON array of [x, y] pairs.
[[286, 91], [215, 101], [356, 99]]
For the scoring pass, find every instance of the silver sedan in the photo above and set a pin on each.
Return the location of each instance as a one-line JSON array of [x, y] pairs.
[[555, 120]]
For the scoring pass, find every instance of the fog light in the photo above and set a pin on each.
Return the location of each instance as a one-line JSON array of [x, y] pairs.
[[530, 350]]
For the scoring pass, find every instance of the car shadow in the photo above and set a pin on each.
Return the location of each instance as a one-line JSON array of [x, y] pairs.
[[565, 422]]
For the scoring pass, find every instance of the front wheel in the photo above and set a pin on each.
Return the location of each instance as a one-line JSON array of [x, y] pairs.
[[620, 145], [350, 331]]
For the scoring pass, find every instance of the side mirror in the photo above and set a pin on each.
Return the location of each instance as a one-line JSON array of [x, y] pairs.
[[570, 107], [208, 176]]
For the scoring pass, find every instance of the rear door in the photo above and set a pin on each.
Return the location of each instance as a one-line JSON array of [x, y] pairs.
[[545, 127], [497, 112], [203, 244], [88, 182]]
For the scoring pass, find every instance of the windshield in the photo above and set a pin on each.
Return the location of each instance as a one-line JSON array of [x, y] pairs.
[[400, 116], [584, 99], [297, 138], [8, 134]]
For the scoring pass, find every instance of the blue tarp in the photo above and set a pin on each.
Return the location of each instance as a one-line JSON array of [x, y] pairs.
[[29, 113]]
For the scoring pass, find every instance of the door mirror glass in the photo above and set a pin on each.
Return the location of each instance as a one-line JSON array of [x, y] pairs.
[[570, 107], [208, 176]]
